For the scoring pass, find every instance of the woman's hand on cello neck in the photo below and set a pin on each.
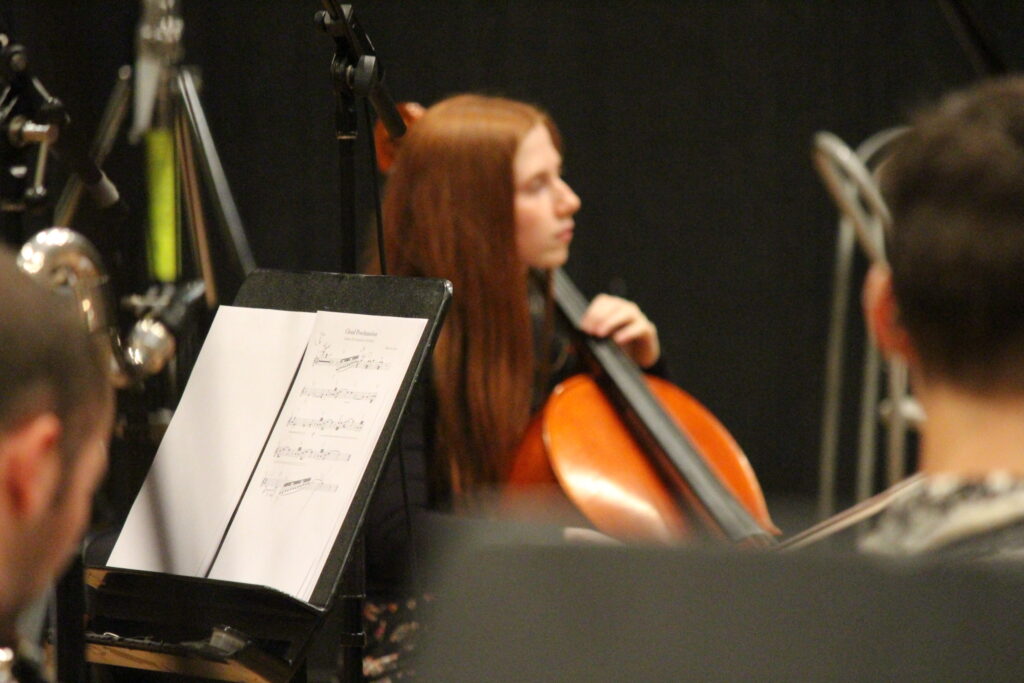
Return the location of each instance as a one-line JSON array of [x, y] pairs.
[[624, 323]]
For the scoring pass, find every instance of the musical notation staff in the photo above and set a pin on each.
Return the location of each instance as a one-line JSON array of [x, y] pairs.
[[320, 424], [357, 361], [289, 453], [275, 486], [339, 393]]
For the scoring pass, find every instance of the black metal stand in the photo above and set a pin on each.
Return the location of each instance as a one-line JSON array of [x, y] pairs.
[[336, 653], [31, 122], [355, 72], [69, 640], [232, 231]]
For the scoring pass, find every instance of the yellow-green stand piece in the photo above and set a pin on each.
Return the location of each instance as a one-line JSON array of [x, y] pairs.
[[164, 243]]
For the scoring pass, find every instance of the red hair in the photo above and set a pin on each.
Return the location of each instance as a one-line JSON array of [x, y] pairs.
[[449, 212]]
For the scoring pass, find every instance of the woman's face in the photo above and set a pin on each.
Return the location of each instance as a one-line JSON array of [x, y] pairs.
[[544, 203]]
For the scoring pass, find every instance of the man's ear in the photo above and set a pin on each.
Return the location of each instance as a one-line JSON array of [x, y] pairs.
[[882, 314], [30, 465]]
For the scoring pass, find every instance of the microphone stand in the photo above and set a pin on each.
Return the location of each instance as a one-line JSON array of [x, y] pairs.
[[355, 72], [30, 121]]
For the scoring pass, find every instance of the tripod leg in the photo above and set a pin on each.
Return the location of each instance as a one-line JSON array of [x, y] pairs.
[[189, 180], [224, 203], [110, 124]]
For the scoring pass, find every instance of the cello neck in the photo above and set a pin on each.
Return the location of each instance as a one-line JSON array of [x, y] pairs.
[[673, 454]]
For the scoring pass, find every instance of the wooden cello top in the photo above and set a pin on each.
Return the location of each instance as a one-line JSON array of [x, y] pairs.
[[671, 450]]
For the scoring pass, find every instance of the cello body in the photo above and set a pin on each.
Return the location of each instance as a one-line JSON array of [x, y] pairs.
[[639, 457], [579, 441]]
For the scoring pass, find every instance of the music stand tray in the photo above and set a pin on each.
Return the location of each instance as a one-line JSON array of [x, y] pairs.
[[243, 632]]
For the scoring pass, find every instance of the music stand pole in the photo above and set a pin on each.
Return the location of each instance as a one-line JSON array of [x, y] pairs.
[[345, 129], [69, 608]]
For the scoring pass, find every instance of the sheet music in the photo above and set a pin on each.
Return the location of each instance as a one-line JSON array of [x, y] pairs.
[[239, 381], [303, 485]]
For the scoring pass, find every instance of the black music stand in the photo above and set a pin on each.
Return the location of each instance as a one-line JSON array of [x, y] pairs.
[[233, 631]]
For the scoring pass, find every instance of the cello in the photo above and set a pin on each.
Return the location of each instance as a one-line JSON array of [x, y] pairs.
[[636, 455], [639, 457]]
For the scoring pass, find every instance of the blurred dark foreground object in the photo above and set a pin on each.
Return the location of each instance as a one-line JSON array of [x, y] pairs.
[[557, 612]]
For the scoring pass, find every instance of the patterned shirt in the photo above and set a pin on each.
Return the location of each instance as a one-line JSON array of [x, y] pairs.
[[954, 517]]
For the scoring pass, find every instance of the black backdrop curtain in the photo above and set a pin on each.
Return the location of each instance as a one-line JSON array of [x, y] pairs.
[[687, 124]]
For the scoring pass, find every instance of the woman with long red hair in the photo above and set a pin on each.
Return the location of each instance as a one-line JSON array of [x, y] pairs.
[[476, 196]]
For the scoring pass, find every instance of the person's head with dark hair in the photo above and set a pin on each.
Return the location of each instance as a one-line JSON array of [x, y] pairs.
[[56, 407], [951, 299]]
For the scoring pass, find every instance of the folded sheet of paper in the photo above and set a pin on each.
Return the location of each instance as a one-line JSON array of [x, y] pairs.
[[260, 463]]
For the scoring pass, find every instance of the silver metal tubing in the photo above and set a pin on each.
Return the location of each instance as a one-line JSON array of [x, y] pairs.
[[864, 219], [65, 261], [878, 144], [854, 192], [896, 430], [867, 434], [834, 369]]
